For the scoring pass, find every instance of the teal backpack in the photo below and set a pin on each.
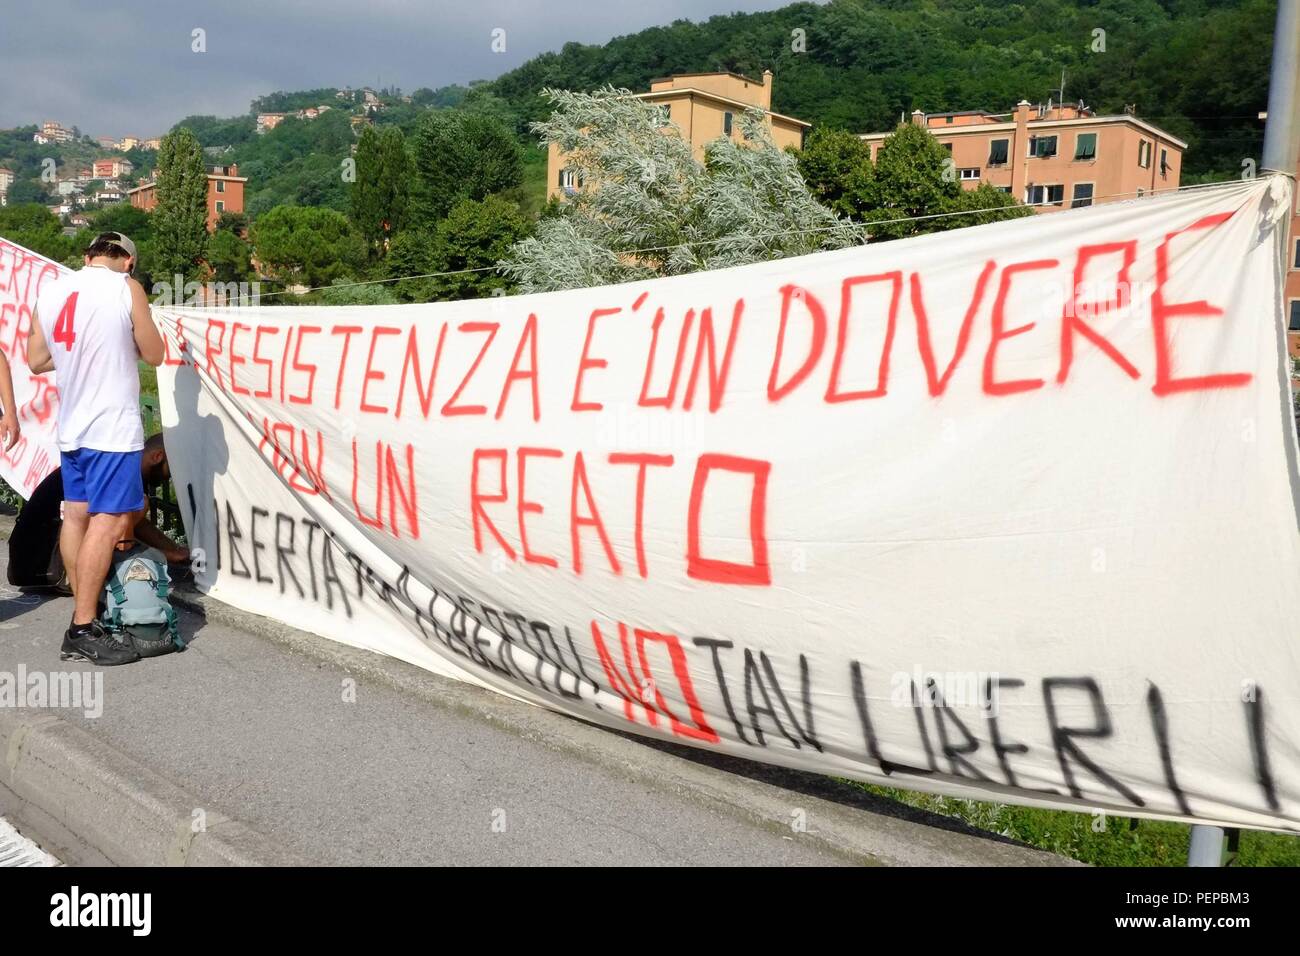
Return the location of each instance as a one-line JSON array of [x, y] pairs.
[[137, 600]]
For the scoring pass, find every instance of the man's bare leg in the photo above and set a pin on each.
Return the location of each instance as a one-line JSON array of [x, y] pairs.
[[75, 521], [103, 532]]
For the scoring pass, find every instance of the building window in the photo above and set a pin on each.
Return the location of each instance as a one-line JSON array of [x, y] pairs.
[[1044, 147], [1082, 195], [1046, 195], [1294, 324], [1085, 146], [221, 185], [948, 147], [970, 173], [221, 206], [726, 124], [570, 180], [998, 152], [1144, 153], [1295, 263], [1003, 189], [1164, 162]]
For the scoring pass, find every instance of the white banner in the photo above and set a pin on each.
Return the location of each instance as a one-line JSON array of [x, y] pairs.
[[1006, 513], [22, 275]]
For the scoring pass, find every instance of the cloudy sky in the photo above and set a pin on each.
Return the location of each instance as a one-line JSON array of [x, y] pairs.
[[132, 71]]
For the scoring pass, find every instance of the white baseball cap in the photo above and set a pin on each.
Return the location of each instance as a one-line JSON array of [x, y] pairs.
[[117, 239]]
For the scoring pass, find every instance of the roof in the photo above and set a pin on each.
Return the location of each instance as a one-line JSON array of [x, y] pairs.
[[739, 76], [976, 130], [961, 113], [678, 90]]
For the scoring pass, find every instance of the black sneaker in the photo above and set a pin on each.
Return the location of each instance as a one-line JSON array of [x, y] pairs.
[[95, 645]]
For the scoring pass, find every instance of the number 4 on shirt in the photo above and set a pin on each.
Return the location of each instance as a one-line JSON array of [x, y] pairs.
[[65, 328]]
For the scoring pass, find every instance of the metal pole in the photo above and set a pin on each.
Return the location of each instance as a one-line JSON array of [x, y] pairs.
[[1282, 131], [1281, 150], [1206, 848]]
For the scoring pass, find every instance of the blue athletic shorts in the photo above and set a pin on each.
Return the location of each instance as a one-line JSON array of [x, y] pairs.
[[109, 482]]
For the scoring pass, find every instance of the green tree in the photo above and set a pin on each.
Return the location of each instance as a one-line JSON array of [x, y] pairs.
[[460, 154], [477, 234], [138, 225], [228, 257], [410, 254], [124, 218], [302, 245], [25, 191], [236, 222], [379, 195], [343, 292], [181, 216], [836, 165], [299, 163], [34, 227], [914, 177]]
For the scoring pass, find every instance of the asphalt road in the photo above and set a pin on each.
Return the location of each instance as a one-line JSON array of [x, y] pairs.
[[265, 735]]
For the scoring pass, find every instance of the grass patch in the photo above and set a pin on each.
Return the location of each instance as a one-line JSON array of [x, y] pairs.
[[1114, 841], [148, 379]]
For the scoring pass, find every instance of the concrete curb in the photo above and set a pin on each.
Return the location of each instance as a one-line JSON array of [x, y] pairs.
[[840, 817], [89, 804]]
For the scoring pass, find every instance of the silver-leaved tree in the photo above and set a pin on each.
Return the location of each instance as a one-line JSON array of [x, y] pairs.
[[647, 207]]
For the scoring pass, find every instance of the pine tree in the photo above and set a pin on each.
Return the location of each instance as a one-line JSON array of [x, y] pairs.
[[379, 195], [180, 221]]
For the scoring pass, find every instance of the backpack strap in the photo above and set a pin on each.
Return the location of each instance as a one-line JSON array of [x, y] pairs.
[[115, 587], [173, 628]]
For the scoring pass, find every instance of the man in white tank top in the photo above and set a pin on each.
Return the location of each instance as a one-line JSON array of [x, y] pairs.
[[90, 327]]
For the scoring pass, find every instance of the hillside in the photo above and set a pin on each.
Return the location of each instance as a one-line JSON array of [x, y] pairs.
[[1198, 68]]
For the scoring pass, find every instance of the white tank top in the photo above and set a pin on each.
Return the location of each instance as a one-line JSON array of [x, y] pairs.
[[86, 319]]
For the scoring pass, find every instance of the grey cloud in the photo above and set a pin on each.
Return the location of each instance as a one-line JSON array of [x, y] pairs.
[[132, 71]]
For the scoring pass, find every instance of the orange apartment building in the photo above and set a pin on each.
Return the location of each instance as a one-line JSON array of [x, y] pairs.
[[1056, 156], [225, 193], [703, 107], [111, 168]]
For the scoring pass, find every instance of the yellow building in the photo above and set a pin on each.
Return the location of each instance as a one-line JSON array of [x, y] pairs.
[[703, 107]]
